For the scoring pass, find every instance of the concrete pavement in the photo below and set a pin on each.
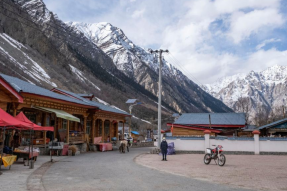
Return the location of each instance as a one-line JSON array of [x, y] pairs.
[[115, 171]]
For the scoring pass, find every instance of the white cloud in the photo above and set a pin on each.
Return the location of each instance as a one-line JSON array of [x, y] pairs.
[[261, 45], [184, 27], [245, 24]]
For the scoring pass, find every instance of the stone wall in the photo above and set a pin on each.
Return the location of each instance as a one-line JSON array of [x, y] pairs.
[[143, 144]]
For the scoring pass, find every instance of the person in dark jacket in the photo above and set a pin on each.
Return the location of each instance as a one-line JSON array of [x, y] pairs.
[[163, 148]]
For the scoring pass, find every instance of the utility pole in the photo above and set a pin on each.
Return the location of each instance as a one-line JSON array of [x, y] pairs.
[[209, 122], [160, 51]]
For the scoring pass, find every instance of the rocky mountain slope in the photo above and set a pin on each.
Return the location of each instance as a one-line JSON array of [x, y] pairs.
[[38, 47], [267, 89], [142, 66]]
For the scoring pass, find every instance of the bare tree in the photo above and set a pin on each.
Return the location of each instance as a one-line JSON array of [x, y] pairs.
[[243, 105], [261, 116]]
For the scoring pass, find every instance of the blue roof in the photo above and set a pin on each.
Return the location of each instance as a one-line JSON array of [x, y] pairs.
[[216, 119], [273, 124], [93, 103], [26, 87], [135, 132]]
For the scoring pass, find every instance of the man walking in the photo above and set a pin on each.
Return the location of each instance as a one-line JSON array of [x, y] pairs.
[[163, 148]]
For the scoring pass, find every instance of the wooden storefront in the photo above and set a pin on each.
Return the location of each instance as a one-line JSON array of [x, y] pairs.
[[88, 122]]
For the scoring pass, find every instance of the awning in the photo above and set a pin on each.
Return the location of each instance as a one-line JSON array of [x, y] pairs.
[[36, 127], [135, 132], [59, 113], [7, 120]]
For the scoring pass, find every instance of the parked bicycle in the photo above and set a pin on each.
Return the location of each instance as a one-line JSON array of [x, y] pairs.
[[215, 154]]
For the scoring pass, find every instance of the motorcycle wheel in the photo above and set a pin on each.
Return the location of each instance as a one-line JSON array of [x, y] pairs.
[[221, 160], [207, 159]]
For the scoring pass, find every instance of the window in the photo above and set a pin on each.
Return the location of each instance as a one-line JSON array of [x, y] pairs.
[[88, 125], [47, 120], [64, 124]]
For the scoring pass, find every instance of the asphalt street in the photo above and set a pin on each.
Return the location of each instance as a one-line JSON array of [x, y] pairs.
[[115, 171]]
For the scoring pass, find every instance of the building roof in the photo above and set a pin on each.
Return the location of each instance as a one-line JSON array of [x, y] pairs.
[[26, 87], [216, 119], [93, 103], [86, 95], [273, 124]]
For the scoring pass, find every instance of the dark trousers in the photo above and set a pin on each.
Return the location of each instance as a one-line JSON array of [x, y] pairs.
[[164, 155]]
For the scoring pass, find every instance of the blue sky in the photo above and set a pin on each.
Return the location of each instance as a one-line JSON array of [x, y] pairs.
[[207, 39]]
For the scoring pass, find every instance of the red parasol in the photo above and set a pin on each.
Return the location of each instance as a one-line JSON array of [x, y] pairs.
[[23, 118]]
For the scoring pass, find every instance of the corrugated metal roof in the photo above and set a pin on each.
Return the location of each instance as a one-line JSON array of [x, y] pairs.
[[273, 124], [216, 119], [26, 87], [93, 103]]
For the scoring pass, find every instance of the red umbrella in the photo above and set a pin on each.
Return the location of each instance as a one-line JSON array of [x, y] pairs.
[[7, 120], [23, 118]]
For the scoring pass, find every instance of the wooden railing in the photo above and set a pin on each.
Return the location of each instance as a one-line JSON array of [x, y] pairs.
[[76, 137]]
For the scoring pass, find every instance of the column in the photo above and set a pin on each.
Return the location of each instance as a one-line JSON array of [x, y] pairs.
[[206, 139], [111, 130], [45, 133], [68, 132], [123, 131], [93, 129], [256, 142], [103, 130], [117, 131], [85, 128]]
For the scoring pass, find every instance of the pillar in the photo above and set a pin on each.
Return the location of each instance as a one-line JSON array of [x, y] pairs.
[[103, 130], [117, 131], [93, 129], [123, 131], [45, 133], [111, 130], [85, 129], [68, 132], [256, 142], [206, 139]]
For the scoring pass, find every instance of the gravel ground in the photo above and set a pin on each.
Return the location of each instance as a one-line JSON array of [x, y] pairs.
[[258, 172]]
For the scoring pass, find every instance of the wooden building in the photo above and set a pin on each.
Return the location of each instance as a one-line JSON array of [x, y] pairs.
[[76, 119], [276, 128], [194, 124]]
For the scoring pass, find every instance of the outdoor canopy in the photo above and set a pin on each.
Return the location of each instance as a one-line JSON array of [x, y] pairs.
[[6, 120], [59, 113], [23, 118]]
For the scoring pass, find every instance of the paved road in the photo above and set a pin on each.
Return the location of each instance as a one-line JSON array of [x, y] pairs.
[[115, 171]]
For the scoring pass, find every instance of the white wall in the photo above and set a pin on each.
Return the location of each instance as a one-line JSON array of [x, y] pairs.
[[233, 145], [188, 145], [273, 146], [230, 145]]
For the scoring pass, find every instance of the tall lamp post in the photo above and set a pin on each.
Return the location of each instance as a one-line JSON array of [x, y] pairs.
[[133, 102]]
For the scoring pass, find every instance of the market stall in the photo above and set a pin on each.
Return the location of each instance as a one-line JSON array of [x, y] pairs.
[[9, 122]]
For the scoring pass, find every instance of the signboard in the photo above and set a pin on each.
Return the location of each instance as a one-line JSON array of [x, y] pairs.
[[148, 135]]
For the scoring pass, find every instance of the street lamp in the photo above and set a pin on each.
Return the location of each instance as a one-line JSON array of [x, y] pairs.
[[133, 102]]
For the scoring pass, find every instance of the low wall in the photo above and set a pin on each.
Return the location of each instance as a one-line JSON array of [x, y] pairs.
[[143, 144], [232, 145]]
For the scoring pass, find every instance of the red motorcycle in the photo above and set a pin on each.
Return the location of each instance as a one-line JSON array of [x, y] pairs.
[[215, 154]]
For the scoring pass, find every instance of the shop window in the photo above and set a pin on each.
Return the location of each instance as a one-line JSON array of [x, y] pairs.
[[64, 124], [47, 120], [100, 128], [88, 125]]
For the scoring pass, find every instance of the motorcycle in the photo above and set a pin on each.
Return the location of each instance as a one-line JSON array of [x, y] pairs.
[[215, 154]]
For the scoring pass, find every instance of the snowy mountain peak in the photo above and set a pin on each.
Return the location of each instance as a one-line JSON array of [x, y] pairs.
[[127, 56], [267, 88]]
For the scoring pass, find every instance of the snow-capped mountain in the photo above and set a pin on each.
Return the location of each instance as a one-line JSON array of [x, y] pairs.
[[142, 66], [36, 46], [267, 88]]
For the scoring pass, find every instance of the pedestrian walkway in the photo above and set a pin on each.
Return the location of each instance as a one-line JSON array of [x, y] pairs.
[[16, 178]]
